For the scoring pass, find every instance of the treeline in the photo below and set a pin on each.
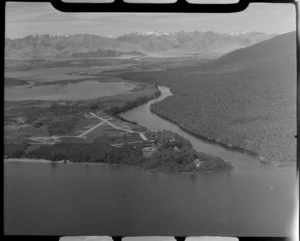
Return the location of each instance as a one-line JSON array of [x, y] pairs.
[[104, 53], [130, 104], [14, 150], [97, 152], [14, 82], [31, 64], [95, 54], [166, 159]]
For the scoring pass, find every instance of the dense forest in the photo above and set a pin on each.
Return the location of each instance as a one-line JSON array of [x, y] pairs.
[[13, 82], [245, 99], [166, 159]]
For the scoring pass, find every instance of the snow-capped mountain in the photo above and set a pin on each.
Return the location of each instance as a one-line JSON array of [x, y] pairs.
[[155, 33], [111, 36], [204, 44]]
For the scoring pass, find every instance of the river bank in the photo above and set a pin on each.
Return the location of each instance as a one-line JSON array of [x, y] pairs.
[[253, 154], [116, 110], [207, 139], [204, 138], [230, 147]]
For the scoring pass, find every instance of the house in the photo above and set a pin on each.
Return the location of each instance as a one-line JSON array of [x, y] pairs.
[[147, 143], [176, 149], [148, 151], [197, 163]]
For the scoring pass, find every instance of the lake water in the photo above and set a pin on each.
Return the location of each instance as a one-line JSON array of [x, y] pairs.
[[90, 199], [73, 91]]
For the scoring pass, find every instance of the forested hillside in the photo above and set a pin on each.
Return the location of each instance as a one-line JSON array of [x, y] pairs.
[[245, 99]]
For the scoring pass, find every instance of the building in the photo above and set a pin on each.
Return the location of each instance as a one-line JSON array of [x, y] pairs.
[[197, 163], [148, 151]]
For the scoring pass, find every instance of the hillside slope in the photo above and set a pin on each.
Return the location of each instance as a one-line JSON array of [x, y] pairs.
[[245, 99]]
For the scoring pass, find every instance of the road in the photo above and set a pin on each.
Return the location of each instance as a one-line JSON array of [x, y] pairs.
[[50, 140], [119, 128], [91, 129]]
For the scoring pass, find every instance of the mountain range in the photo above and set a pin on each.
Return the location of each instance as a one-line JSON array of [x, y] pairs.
[[203, 44]]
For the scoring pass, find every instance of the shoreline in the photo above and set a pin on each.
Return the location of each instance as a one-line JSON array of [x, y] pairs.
[[230, 148], [208, 140], [202, 138], [115, 111], [140, 168]]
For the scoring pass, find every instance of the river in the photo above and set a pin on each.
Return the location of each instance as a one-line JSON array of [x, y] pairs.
[[91, 199]]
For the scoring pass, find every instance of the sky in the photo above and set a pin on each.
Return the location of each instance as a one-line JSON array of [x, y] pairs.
[[23, 19]]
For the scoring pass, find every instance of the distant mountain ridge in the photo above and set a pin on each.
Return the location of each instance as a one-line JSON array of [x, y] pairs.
[[204, 44]]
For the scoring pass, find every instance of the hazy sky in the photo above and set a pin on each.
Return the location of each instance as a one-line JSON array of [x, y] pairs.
[[24, 19]]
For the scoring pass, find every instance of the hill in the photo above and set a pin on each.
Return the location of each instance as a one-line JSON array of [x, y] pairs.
[[245, 99]]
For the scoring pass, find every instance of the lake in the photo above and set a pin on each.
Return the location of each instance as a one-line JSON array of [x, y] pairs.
[[73, 91], [91, 199]]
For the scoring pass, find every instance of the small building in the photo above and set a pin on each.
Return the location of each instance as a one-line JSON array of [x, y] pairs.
[[147, 143], [148, 151], [197, 163], [176, 149], [117, 145]]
